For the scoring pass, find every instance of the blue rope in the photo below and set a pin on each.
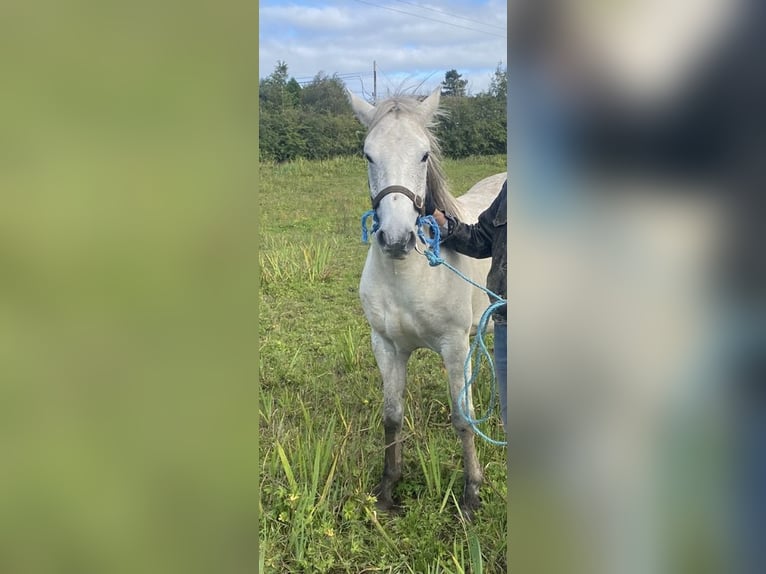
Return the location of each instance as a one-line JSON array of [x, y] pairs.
[[477, 351], [478, 347], [375, 224]]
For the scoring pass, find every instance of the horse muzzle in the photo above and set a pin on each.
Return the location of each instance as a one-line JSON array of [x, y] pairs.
[[397, 247]]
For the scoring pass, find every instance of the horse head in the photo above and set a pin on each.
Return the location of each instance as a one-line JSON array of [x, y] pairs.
[[401, 154]]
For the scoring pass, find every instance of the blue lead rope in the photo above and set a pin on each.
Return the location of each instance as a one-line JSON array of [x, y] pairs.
[[478, 347], [477, 351], [375, 224]]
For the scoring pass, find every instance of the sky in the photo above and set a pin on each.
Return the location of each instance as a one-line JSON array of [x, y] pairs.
[[412, 42]]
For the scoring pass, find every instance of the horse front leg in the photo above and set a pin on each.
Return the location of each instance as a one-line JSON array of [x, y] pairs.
[[392, 363], [454, 354]]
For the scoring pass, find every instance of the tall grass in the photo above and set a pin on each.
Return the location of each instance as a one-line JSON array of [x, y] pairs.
[[350, 348], [284, 262], [320, 408]]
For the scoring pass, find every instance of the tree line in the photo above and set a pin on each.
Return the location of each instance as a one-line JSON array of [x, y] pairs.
[[315, 121]]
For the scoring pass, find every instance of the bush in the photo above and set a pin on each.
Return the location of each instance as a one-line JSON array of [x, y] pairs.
[[316, 121]]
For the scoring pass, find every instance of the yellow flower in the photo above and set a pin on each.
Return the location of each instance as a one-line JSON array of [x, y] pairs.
[[329, 532]]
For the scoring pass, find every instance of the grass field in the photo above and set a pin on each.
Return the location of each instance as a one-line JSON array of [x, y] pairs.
[[321, 437]]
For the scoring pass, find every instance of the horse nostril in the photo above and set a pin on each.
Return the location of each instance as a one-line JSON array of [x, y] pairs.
[[396, 243]]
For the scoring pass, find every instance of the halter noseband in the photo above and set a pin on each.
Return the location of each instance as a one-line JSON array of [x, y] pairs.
[[416, 200]]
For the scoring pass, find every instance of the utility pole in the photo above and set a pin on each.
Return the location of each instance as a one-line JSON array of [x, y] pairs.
[[374, 82]]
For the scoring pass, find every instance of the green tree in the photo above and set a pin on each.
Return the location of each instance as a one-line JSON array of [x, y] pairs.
[[473, 126], [453, 84], [325, 94], [316, 121], [293, 92], [279, 136], [272, 91], [498, 85]]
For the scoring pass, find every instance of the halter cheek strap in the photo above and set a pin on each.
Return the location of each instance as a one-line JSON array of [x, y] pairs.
[[417, 201]]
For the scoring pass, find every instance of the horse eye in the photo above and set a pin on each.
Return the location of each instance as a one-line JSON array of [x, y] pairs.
[[425, 157], [368, 158]]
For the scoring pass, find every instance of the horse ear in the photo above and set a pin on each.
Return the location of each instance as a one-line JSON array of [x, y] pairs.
[[362, 110], [430, 105]]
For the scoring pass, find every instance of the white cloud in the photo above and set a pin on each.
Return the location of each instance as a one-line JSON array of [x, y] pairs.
[[344, 37], [322, 19]]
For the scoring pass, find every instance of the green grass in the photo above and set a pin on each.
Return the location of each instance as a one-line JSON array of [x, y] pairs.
[[320, 404]]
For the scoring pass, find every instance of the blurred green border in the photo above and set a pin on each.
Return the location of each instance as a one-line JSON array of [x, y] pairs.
[[128, 286]]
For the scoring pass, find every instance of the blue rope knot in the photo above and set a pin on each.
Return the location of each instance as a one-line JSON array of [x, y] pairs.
[[375, 224], [432, 243]]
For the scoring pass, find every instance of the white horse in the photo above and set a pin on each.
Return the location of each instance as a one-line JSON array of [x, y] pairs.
[[407, 303]]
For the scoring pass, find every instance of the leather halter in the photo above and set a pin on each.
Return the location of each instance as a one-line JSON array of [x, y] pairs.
[[417, 201]]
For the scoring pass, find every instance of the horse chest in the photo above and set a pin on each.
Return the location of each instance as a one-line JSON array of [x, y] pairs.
[[396, 311]]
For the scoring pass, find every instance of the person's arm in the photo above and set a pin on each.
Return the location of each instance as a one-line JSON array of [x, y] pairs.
[[474, 240]]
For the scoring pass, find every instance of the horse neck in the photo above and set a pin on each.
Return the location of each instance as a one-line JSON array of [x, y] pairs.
[[437, 194]]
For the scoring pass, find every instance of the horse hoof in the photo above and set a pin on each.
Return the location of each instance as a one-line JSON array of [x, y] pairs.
[[469, 506], [468, 513], [385, 501], [388, 507], [384, 505]]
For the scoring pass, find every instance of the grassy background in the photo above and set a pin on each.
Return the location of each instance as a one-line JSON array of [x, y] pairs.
[[128, 287], [320, 416]]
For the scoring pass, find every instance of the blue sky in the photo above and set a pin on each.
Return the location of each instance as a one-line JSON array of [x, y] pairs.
[[413, 42]]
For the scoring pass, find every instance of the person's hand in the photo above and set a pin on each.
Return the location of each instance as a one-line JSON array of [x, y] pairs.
[[440, 218]]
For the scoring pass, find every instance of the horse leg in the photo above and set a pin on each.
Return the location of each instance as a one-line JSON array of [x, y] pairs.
[[392, 363], [454, 355]]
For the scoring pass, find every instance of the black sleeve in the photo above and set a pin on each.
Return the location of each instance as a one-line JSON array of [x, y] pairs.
[[474, 240]]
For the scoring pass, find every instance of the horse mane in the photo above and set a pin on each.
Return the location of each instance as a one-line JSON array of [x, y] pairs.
[[438, 195]]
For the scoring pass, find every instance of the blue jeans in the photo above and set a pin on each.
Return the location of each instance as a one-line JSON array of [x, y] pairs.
[[501, 368]]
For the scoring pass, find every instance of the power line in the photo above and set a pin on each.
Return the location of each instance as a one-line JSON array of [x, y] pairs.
[[440, 11], [431, 19], [339, 74], [306, 80]]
